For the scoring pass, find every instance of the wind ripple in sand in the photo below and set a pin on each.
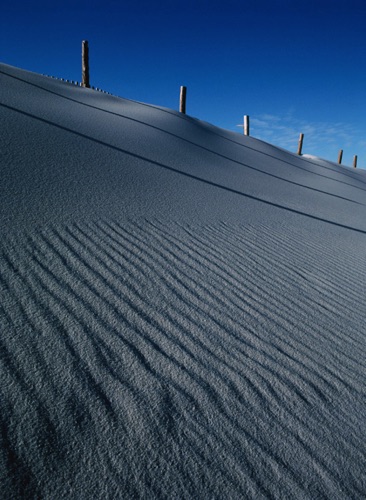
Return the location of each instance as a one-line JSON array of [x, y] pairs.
[[188, 358]]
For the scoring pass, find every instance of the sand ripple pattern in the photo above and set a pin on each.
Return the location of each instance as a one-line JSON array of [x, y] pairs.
[[144, 359]]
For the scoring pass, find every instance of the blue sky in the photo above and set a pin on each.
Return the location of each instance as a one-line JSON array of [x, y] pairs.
[[293, 66]]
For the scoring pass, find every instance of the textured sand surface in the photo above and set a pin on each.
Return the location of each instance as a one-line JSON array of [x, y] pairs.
[[182, 308]]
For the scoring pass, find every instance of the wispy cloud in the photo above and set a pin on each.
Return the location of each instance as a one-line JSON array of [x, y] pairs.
[[320, 138]]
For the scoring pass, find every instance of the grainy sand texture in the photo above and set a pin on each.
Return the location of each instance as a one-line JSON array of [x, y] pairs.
[[182, 308]]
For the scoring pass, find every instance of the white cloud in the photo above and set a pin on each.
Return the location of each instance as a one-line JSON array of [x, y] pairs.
[[320, 138]]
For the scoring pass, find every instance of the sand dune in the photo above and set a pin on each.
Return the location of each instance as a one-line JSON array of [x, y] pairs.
[[182, 308]]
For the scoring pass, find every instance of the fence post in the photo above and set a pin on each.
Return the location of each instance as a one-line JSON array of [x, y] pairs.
[[340, 155], [85, 64], [182, 99], [246, 125], [355, 161], [301, 140]]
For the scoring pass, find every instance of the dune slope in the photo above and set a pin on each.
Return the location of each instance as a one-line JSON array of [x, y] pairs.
[[182, 308]]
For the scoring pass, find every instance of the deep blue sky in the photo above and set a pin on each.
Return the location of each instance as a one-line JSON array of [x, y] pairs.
[[293, 66]]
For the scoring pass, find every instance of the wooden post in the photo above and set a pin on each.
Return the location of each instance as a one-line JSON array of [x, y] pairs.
[[340, 155], [301, 140], [85, 64], [355, 161], [182, 99], [246, 125]]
